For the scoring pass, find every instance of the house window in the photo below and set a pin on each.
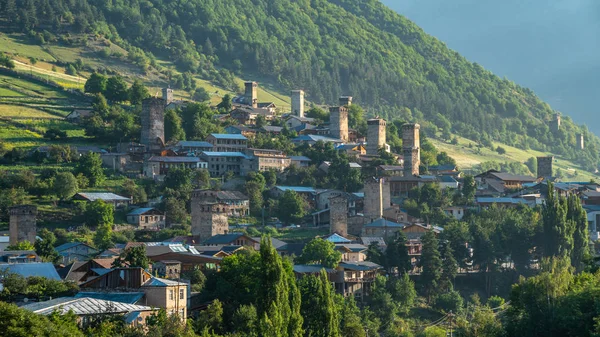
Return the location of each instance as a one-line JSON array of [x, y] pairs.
[[181, 295], [171, 294]]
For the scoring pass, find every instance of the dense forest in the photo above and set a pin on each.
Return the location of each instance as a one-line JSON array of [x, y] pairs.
[[329, 48]]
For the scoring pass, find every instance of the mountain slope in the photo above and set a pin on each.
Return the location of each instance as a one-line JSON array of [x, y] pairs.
[[547, 45], [329, 48]]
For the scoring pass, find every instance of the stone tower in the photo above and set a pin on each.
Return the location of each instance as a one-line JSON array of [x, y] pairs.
[[411, 148], [375, 135], [345, 101], [580, 144], [298, 103], [153, 122], [167, 95], [209, 217], [22, 225], [338, 125], [386, 194], [373, 202], [544, 166], [555, 124], [251, 93], [338, 215]]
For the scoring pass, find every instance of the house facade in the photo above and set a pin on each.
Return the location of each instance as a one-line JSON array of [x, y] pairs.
[[228, 142], [146, 218]]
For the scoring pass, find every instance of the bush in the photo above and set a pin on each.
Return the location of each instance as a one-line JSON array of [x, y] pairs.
[[495, 301], [450, 301], [500, 150]]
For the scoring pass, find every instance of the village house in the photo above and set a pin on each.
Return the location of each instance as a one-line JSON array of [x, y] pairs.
[[300, 161], [352, 150], [110, 198], [271, 129], [247, 115], [193, 146], [241, 130], [237, 202], [159, 293], [495, 182], [159, 166], [457, 212], [228, 142], [400, 186], [115, 161], [78, 115], [293, 121], [75, 251], [219, 163], [170, 269], [18, 256], [265, 160], [352, 252], [146, 218], [382, 228], [390, 170]]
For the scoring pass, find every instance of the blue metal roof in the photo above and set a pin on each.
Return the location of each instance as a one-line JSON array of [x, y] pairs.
[[300, 158], [131, 298], [336, 238], [381, 222], [193, 143], [297, 189], [222, 239], [360, 266], [490, 200], [225, 154], [228, 136], [44, 269], [140, 210], [315, 138], [69, 245]]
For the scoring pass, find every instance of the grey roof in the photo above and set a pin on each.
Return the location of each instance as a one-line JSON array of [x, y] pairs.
[[299, 158], [175, 159], [43, 269], [368, 240], [310, 268], [361, 266], [193, 143], [83, 306], [105, 196], [161, 282], [141, 210], [222, 239], [70, 245], [231, 195], [512, 177], [298, 189], [271, 128]]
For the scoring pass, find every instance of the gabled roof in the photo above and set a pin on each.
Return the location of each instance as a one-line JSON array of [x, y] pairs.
[[228, 136], [83, 306], [368, 240], [310, 269], [223, 239], [447, 179], [143, 210], [231, 195], [353, 247], [161, 282], [105, 196], [383, 223], [360, 266], [272, 128], [70, 245], [44, 269], [336, 238]]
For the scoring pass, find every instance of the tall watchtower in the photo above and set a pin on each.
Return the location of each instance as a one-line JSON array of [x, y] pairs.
[[22, 224], [153, 122], [338, 215], [545, 166], [345, 101], [580, 144], [209, 217], [298, 103], [375, 135], [251, 93], [411, 148], [167, 95], [338, 122], [373, 203]]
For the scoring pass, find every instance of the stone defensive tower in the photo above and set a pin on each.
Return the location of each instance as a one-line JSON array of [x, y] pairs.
[[298, 103], [153, 123], [251, 93], [338, 124], [375, 135], [373, 202], [386, 194], [555, 123], [167, 95], [580, 144], [345, 101], [209, 217], [544, 166], [338, 215], [22, 224], [411, 148]]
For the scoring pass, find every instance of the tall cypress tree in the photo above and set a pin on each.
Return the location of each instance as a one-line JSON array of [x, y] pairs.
[[278, 303], [558, 232], [449, 268], [431, 263], [578, 216], [321, 317], [396, 255]]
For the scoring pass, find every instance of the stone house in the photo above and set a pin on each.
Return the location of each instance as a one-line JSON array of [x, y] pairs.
[[75, 251], [219, 163], [265, 159], [146, 218], [228, 142]]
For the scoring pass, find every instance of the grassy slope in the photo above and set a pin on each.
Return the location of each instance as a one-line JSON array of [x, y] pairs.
[[467, 158]]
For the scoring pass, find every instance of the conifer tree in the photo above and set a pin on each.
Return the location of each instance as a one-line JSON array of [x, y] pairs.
[[558, 232], [320, 313], [578, 216], [431, 263], [449, 268], [396, 255]]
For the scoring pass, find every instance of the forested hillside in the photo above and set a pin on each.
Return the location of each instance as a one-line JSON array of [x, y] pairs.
[[329, 48]]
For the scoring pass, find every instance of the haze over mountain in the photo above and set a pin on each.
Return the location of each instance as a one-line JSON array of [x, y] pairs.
[[550, 46]]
